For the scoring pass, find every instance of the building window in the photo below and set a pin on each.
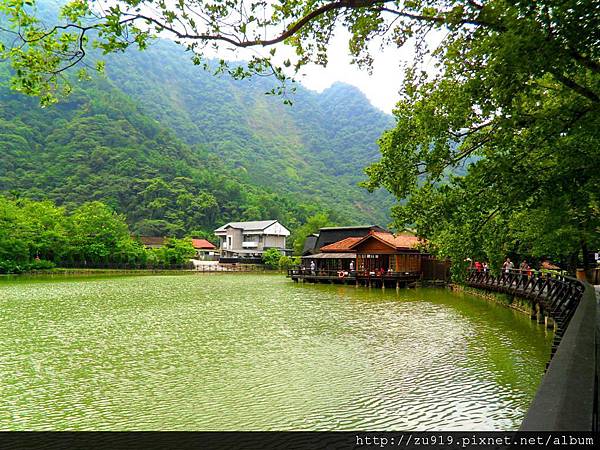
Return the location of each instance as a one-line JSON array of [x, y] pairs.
[[393, 263]]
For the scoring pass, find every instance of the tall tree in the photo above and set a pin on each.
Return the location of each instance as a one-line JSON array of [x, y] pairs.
[[516, 102], [513, 97], [96, 232]]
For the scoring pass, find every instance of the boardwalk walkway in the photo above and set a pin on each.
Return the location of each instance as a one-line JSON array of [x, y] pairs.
[[552, 296], [366, 278], [569, 394]]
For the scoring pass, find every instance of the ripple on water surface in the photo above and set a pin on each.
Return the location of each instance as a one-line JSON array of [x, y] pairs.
[[247, 352]]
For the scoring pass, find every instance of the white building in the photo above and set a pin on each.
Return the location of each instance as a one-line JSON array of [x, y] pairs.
[[251, 239]]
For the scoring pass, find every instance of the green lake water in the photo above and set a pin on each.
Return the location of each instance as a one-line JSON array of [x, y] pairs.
[[259, 352]]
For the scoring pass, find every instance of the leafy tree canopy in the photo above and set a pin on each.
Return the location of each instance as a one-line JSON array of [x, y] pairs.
[[516, 101], [40, 52], [176, 250], [271, 258], [39, 235], [313, 225], [512, 92]]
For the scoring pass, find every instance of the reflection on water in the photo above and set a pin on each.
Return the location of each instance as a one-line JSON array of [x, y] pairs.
[[251, 352]]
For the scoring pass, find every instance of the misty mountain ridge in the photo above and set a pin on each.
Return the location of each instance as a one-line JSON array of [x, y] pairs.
[[175, 148]]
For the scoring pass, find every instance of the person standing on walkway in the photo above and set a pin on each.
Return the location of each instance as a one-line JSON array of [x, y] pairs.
[[525, 269], [508, 265]]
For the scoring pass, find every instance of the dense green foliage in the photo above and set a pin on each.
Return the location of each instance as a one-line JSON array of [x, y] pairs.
[[88, 148], [175, 251], [179, 151], [40, 235], [508, 101], [518, 95], [271, 258], [287, 262], [317, 148], [312, 225]]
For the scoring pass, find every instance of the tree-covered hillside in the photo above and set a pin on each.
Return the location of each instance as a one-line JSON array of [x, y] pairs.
[[319, 146], [178, 150], [98, 146]]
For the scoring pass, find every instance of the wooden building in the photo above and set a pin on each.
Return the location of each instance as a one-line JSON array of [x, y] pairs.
[[334, 257], [379, 258], [330, 235], [384, 252], [152, 241], [310, 244]]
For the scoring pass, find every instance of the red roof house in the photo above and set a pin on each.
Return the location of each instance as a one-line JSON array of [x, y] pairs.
[[380, 251], [342, 246], [152, 241], [202, 244]]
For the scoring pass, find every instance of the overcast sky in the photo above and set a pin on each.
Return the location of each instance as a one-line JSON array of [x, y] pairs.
[[381, 87]]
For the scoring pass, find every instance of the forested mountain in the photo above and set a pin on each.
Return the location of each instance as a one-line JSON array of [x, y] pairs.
[[318, 146], [177, 149]]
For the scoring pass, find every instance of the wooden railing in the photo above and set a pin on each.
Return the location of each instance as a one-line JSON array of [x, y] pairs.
[[237, 260], [568, 396], [553, 295], [123, 266], [231, 268], [362, 274]]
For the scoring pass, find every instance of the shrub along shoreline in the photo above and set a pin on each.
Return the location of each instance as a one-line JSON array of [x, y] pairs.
[[38, 235]]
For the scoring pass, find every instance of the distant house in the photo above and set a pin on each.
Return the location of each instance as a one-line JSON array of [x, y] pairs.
[[204, 248], [152, 241], [329, 235], [251, 239]]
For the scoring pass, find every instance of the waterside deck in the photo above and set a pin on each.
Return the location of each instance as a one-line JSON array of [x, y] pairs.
[[358, 278]]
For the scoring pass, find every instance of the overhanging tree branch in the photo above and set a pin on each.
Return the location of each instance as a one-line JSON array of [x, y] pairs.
[[571, 84]]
